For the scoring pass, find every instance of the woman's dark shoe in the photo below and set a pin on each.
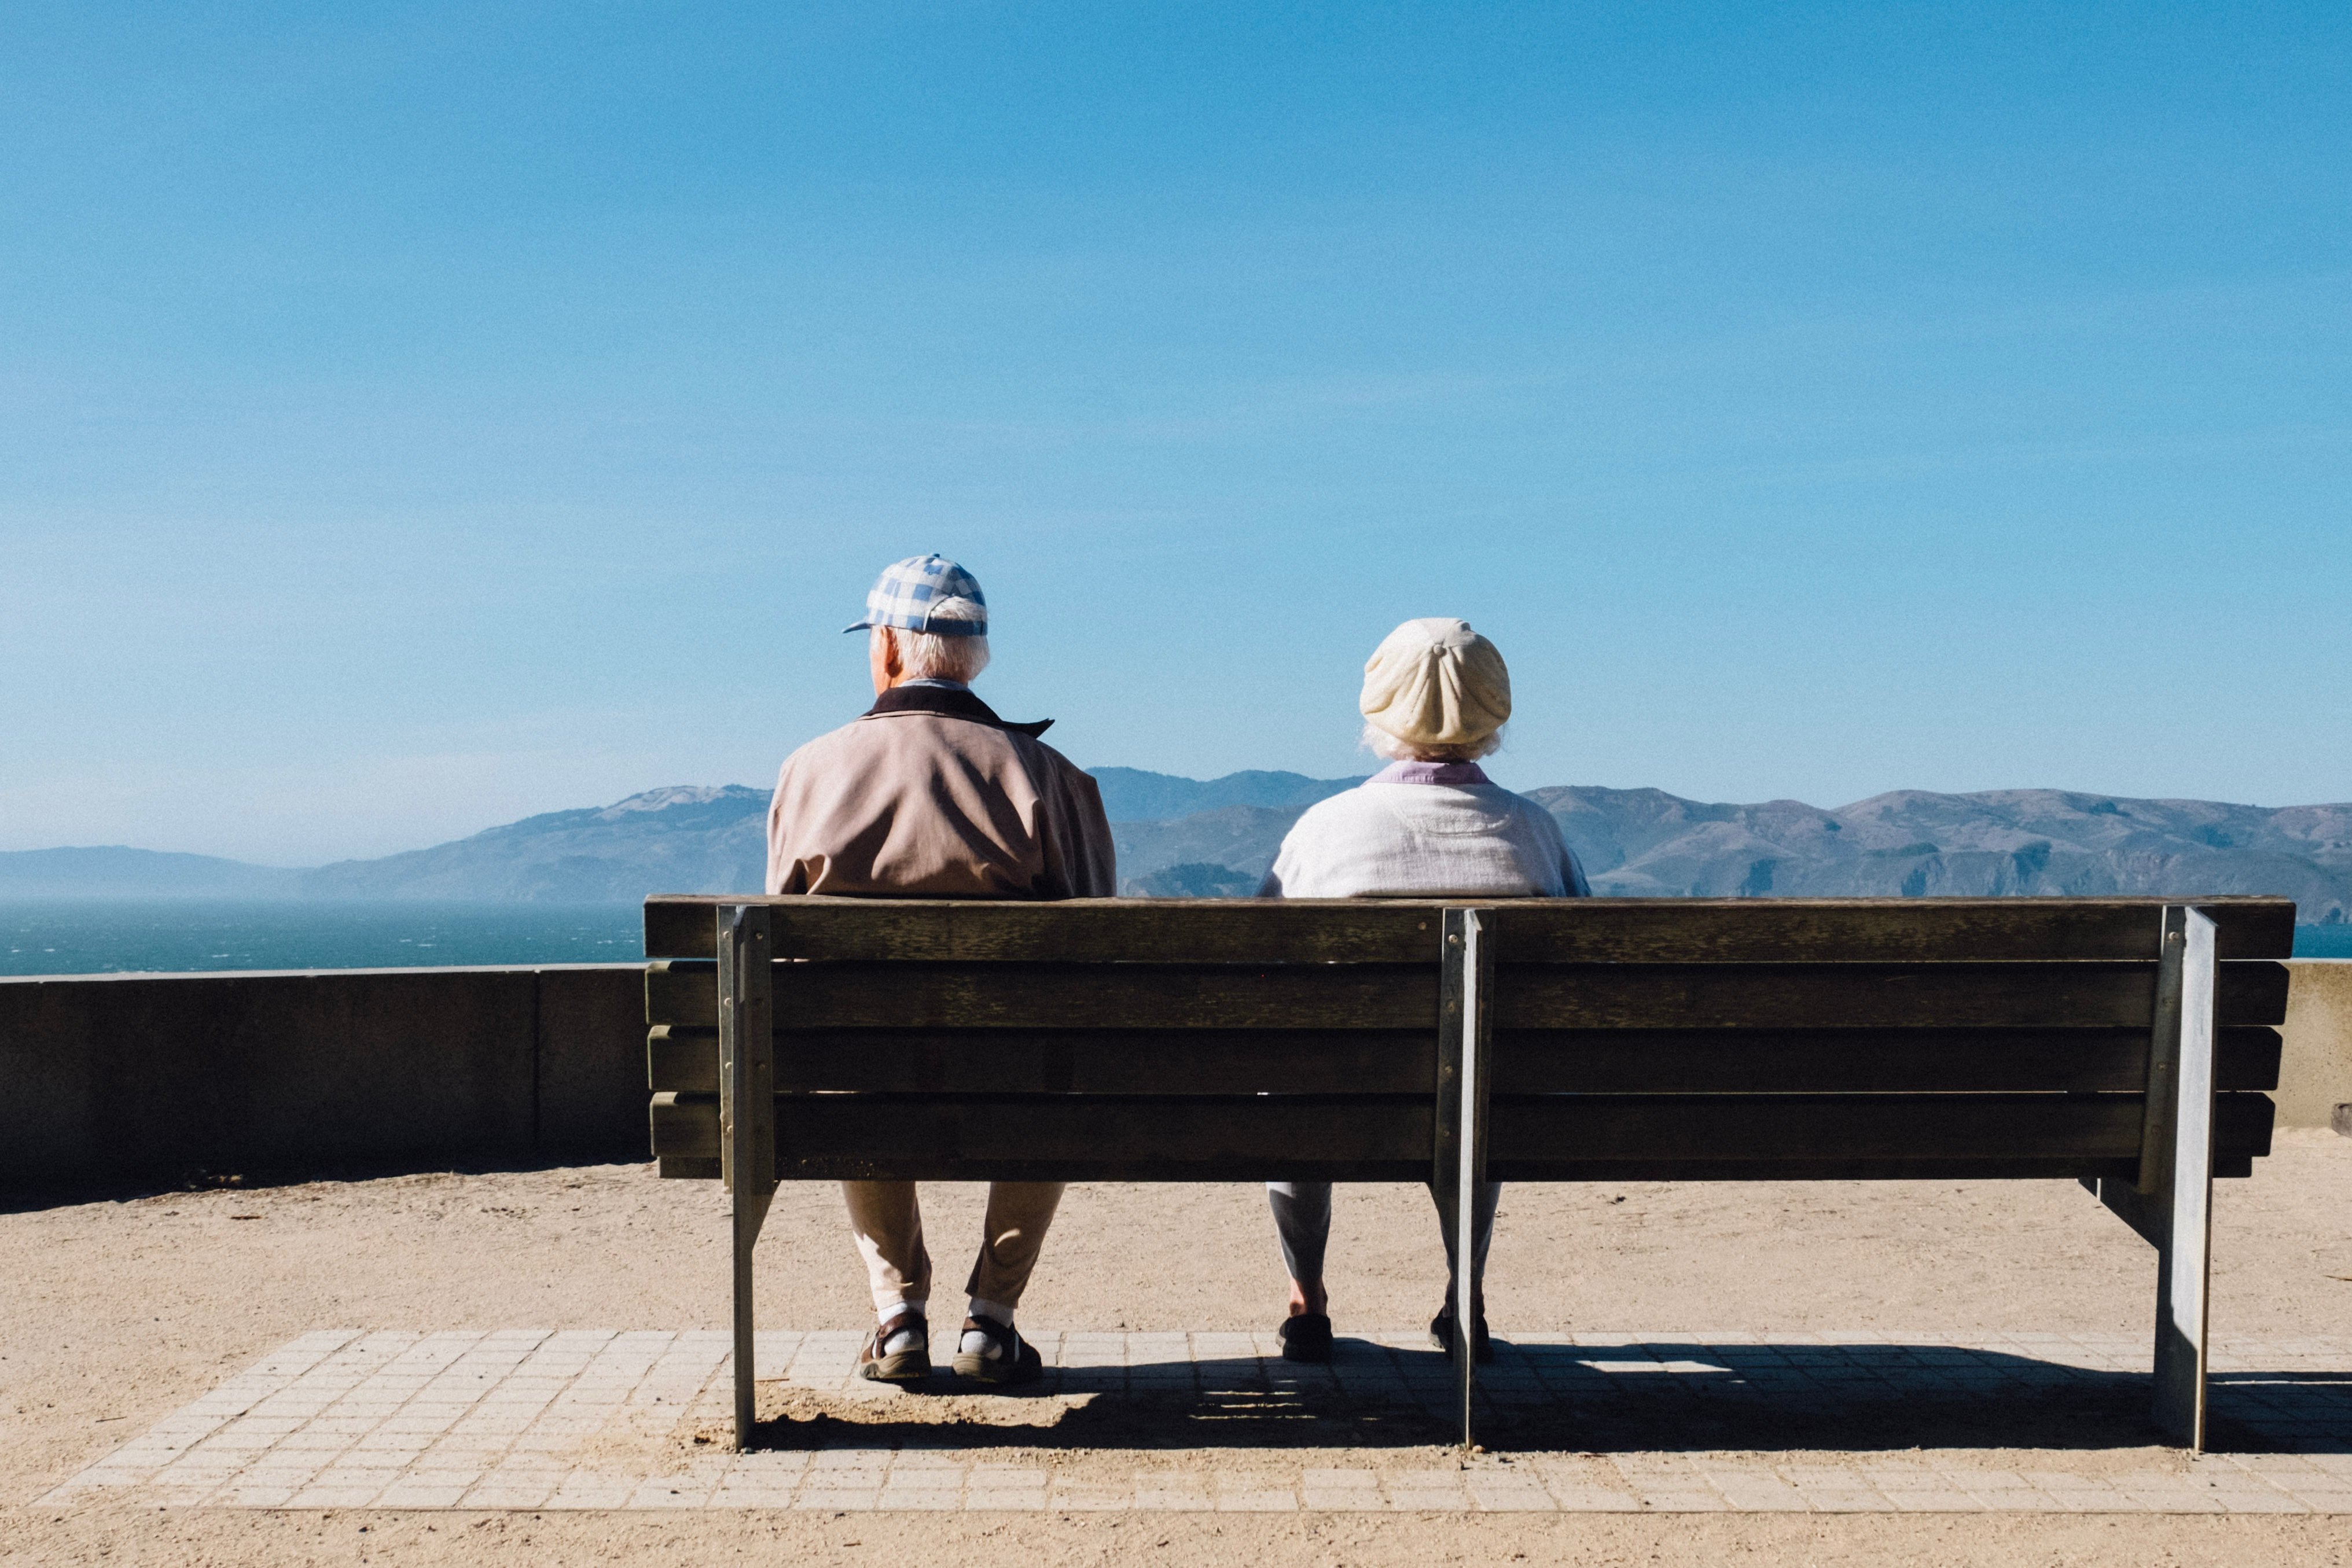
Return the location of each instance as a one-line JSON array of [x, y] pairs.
[[1306, 1336], [908, 1364], [1441, 1336], [1002, 1356]]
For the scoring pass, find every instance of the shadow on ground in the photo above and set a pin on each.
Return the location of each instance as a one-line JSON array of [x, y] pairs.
[[1658, 1398]]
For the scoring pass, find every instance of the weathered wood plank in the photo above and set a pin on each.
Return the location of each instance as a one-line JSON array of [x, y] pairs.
[[682, 991], [684, 1125], [1403, 1062], [1367, 996], [682, 1059], [1539, 1138], [1535, 1138], [1857, 1060], [1211, 931], [1373, 996], [2252, 994], [1614, 930], [1067, 1061], [1747, 931], [1862, 996], [2237, 1167], [1824, 996], [1102, 1138], [1073, 995]]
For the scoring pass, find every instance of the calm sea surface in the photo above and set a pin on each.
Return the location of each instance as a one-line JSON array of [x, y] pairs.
[[62, 937], [2323, 941], [54, 936]]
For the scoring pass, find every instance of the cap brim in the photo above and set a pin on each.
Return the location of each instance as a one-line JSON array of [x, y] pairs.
[[859, 626]]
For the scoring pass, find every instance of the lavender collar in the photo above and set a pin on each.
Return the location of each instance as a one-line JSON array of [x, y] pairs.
[[1459, 775]]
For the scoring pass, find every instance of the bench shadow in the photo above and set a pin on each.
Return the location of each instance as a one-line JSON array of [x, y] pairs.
[[1661, 1396]]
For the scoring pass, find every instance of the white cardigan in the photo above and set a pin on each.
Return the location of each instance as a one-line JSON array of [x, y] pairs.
[[1402, 840]]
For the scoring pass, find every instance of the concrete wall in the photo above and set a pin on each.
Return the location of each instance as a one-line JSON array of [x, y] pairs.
[[2316, 1068], [104, 1076]]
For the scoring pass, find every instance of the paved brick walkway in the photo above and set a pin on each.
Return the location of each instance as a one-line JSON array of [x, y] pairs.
[[531, 1419]]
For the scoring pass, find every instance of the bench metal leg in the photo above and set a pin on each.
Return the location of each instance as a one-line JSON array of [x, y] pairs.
[[1464, 1037], [747, 1113], [2172, 1204], [2184, 1266]]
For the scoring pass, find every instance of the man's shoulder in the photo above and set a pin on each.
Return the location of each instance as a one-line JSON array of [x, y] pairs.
[[832, 742], [1030, 746], [876, 738]]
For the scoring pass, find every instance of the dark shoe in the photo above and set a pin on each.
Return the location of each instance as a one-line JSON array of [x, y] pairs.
[[1306, 1336], [1441, 1336], [1015, 1361], [910, 1365]]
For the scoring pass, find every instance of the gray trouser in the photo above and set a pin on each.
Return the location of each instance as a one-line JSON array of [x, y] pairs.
[[1302, 1217]]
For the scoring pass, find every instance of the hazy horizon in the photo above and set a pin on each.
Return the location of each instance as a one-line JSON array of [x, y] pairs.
[[577, 806]]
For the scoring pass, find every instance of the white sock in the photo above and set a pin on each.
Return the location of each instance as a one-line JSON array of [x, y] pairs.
[[905, 1339], [975, 1343]]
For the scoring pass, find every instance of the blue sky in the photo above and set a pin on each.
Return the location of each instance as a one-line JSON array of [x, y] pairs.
[[415, 416]]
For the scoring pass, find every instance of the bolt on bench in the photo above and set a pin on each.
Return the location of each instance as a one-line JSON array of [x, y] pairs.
[[2119, 1041]]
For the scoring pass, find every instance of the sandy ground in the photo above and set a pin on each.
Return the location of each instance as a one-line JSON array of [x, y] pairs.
[[116, 1312]]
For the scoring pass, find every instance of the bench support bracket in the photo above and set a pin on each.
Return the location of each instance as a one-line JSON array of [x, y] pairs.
[[2172, 1204], [1464, 1036], [747, 1113]]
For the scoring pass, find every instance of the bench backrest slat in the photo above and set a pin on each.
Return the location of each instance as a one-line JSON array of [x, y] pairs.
[[869, 995], [1404, 1062], [1596, 931], [1545, 1138]]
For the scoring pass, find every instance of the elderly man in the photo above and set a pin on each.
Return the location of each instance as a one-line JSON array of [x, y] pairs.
[[1429, 825], [930, 795]]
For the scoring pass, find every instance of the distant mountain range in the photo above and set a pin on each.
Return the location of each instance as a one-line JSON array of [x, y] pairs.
[[118, 872], [1131, 795], [1193, 838]]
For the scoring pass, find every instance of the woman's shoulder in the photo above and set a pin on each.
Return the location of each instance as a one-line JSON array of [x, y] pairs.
[[1347, 806], [1532, 815]]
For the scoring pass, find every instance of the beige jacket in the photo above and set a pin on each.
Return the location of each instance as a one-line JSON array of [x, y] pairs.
[[930, 795]]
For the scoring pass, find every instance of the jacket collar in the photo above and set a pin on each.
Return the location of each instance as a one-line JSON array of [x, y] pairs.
[[1461, 775], [951, 704]]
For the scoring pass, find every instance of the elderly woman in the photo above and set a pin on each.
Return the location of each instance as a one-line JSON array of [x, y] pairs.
[[1430, 824]]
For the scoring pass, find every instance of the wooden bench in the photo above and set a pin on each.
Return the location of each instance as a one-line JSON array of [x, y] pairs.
[[2119, 1041]]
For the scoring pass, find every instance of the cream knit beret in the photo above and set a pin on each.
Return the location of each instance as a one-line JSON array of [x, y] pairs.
[[1434, 681]]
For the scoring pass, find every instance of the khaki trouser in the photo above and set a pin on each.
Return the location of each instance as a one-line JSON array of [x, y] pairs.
[[888, 1224]]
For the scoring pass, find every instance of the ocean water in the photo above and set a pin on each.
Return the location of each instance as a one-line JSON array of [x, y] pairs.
[[59, 936], [2323, 941]]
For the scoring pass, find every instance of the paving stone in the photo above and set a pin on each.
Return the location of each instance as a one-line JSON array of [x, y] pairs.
[[340, 1418]]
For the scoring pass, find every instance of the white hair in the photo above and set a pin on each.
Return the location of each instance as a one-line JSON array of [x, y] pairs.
[[928, 655], [1381, 743]]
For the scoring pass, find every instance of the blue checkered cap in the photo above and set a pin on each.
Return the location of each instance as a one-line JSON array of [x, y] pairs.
[[910, 592]]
